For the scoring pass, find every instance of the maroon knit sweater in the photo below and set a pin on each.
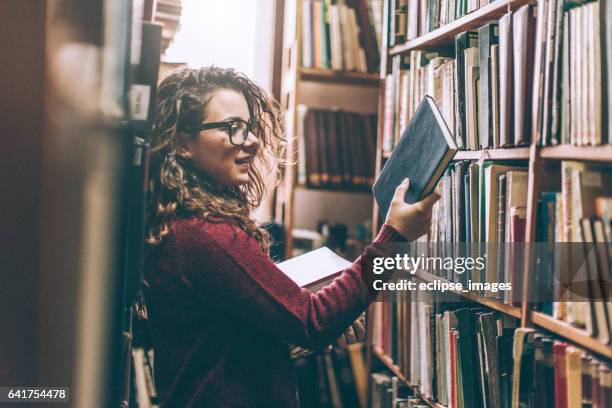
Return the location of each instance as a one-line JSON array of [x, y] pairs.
[[222, 313]]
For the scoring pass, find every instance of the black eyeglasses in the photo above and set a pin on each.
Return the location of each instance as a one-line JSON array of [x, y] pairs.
[[237, 129]]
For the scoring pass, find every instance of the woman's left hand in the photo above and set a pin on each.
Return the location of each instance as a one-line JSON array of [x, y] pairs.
[[354, 334]]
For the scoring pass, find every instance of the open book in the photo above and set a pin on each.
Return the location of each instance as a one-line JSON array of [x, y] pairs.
[[314, 269]]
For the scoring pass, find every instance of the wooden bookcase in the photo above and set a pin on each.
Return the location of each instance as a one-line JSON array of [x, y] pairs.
[[318, 88], [540, 160]]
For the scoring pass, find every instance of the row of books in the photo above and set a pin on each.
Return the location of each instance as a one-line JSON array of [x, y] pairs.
[[335, 148], [572, 88], [337, 379], [389, 392], [576, 220], [340, 35], [405, 89], [413, 18], [454, 352], [462, 355], [482, 213], [550, 372], [497, 90]]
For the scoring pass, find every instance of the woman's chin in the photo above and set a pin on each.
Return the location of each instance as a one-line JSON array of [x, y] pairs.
[[240, 180]]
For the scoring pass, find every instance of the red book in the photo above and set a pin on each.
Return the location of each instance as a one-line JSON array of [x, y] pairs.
[[452, 403], [560, 374], [518, 219]]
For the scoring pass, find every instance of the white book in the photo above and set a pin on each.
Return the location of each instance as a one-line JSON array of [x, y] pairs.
[[314, 269], [307, 34], [335, 37], [347, 46]]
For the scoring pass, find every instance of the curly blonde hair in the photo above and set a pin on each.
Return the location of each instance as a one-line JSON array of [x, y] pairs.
[[177, 187]]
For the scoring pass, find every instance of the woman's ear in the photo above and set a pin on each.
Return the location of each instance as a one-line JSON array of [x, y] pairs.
[[184, 153]]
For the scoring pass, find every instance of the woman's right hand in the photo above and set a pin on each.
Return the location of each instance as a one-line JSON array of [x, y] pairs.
[[410, 220]]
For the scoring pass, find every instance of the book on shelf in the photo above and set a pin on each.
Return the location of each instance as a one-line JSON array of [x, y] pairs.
[[488, 36], [144, 384], [340, 35], [523, 36], [336, 148], [463, 41], [422, 154]]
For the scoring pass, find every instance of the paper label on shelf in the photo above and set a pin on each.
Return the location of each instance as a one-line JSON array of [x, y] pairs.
[[139, 101]]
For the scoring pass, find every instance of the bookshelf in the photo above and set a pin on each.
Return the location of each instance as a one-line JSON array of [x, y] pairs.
[[317, 88], [543, 168]]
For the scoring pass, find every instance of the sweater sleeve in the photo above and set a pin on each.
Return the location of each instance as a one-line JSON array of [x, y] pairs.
[[228, 271]]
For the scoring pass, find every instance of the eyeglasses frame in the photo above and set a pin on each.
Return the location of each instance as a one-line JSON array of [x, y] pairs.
[[228, 126]]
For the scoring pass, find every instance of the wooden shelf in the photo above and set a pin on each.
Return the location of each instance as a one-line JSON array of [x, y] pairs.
[[515, 153], [386, 360], [571, 333], [445, 35], [490, 303], [601, 153], [338, 189], [339, 77]]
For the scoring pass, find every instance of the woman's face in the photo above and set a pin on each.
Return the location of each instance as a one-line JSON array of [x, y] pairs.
[[212, 151]]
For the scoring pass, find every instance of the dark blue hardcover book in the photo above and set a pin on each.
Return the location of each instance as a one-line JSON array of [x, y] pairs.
[[424, 151]]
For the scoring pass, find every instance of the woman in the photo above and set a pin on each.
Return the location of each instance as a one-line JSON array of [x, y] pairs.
[[222, 313]]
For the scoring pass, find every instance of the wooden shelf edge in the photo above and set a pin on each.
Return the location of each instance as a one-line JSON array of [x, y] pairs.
[[514, 153], [446, 34], [386, 360], [336, 189], [601, 153], [339, 77], [490, 303], [571, 333]]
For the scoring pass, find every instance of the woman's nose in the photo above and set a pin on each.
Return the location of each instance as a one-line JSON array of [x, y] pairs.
[[251, 141]]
